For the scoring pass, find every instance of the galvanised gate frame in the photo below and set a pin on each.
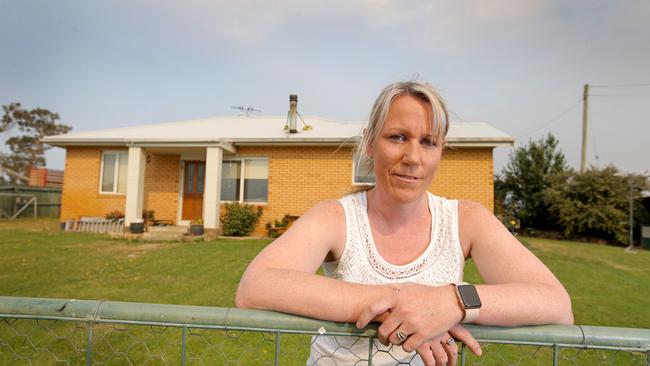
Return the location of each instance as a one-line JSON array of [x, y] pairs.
[[56, 331]]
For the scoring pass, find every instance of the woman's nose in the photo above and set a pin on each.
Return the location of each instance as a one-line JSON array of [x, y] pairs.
[[411, 153]]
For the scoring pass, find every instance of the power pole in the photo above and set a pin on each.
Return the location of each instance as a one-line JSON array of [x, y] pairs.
[[585, 119], [630, 245]]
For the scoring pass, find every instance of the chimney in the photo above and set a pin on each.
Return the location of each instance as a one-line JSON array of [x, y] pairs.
[[293, 113]]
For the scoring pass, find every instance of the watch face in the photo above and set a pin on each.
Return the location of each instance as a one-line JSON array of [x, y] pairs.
[[469, 296]]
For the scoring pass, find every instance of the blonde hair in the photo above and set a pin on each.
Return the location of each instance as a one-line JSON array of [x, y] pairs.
[[422, 91]]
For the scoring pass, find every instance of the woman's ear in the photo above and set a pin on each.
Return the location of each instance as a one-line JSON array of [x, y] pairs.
[[369, 147], [369, 151]]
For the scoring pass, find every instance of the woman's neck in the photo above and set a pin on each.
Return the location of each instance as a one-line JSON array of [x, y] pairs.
[[392, 211]]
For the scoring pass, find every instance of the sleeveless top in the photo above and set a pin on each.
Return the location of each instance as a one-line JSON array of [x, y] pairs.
[[441, 263]]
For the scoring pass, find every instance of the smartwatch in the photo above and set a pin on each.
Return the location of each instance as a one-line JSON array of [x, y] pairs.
[[468, 300]]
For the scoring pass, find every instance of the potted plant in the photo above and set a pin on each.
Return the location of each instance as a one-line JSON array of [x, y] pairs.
[[137, 227], [196, 227]]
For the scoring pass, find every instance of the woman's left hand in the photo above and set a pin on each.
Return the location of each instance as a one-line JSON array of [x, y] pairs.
[[420, 312]]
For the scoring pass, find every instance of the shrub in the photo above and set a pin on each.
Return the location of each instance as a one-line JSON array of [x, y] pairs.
[[594, 204], [114, 215], [240, 219], [278, 227]]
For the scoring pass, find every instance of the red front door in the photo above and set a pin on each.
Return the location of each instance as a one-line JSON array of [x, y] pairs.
[[193, 185]]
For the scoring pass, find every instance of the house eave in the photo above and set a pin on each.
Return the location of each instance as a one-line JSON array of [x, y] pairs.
[[226, 145]]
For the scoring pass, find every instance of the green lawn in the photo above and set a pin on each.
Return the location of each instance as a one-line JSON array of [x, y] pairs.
[[608, 286]]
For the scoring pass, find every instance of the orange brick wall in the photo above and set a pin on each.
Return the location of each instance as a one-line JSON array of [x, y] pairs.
[[81, 195], [301, 176], [161, 185], [298, 178], [466, 174]]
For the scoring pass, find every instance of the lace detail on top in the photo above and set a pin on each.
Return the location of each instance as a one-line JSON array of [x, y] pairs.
[[441, 262]]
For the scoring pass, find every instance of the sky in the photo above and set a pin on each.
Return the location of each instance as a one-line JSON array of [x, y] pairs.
[[518, 65]]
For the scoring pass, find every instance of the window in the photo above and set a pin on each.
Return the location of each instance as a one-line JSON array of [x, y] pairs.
[[114, 172], [362, 172], [254, 173]]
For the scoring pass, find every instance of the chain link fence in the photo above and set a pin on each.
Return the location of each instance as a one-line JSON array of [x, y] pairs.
[[37, 331]]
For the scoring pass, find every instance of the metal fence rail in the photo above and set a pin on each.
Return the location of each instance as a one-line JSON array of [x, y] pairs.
[[37, 331]]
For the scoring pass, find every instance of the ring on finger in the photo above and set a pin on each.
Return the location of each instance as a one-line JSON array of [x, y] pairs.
[[400, 335], [450, 341]]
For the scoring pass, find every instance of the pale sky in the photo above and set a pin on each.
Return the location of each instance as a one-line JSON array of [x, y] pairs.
[[517, 65]]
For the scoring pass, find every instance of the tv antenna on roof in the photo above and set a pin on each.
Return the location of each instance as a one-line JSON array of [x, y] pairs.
[[245, 111]]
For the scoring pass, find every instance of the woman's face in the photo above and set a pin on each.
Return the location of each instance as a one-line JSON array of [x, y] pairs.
[[406, 154]]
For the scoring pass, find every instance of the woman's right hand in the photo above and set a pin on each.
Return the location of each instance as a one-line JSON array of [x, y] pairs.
[[443, 350]]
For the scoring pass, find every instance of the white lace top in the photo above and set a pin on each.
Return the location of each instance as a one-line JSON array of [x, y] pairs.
[[441, 263]]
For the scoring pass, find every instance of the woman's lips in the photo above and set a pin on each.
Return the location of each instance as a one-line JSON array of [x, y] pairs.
[[405, 177]]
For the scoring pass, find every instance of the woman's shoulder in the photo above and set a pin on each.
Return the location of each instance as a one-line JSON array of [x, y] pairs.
[[470, 207], [328, 212], [474, 219]]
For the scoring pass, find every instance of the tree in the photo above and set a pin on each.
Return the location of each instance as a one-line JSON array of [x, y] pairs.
[[594, 204], [27, 148], [519, 189]]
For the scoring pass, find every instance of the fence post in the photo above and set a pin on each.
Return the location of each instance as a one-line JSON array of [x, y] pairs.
[[277, 349], [463, 354], [183, 346], [556, 354], [89, 346], [371, 343]]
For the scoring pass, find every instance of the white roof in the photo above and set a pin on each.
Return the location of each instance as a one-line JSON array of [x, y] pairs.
[[239, 130]]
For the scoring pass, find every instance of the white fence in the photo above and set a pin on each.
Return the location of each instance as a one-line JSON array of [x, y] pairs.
[[95, 225]]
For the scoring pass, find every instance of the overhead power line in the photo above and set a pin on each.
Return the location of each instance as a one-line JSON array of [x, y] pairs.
[[619, 95], [619, 85], [554, 119]]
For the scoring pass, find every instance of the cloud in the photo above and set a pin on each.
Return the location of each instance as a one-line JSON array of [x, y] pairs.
[[252, 20]]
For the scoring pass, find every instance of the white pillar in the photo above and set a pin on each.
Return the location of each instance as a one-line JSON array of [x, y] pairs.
[[212, 191], [134, 186]]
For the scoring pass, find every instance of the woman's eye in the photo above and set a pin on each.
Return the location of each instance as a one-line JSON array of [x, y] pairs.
[[428, 142], [398, 138]]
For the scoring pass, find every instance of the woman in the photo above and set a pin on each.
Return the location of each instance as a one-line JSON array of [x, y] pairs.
[[395, 252]]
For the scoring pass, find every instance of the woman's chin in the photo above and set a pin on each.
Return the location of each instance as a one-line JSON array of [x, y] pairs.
[[408, 193]]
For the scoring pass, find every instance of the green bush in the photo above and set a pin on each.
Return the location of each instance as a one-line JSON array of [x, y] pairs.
[[594, 204], [240, 219]]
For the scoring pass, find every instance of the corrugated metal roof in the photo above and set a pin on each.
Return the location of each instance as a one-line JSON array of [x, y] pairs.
[[261, 130]]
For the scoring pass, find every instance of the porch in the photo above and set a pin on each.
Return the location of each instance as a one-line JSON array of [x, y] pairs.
[[185, 190]]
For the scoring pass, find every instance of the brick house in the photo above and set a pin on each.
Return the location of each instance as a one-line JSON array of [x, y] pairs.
[[184, 170]]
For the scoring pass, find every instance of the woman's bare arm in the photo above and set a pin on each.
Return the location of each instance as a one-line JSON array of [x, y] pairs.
[[519, 288], [282, 277]]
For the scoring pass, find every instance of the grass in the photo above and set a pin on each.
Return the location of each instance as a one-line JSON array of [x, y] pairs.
[[608, 286], [41, 261]]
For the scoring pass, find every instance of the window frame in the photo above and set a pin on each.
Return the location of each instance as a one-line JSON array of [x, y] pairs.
[[354, 174], [116, 175], [242, 161]]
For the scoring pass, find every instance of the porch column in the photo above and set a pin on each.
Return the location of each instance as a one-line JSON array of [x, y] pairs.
[[134, 186], [212, 191]]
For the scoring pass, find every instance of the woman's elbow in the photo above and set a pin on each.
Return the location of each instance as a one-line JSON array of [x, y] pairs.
[[243, 296], [240, 300], [565, 309]]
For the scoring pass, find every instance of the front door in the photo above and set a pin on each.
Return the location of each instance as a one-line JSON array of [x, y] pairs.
[[193, 184]]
